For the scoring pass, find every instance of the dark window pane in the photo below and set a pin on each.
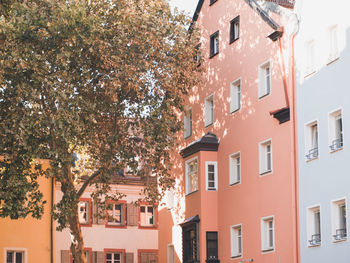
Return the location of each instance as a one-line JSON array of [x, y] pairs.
[[142, 209], [19, 257], [9, 257]]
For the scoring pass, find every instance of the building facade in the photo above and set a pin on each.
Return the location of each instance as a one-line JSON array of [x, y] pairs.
[[323, 57], [235, 199], [128, 233]]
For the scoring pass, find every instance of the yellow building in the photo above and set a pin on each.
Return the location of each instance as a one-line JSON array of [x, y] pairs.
[[29, 240]]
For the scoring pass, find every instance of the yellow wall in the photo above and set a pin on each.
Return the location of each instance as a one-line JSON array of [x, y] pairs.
[[29, 233]]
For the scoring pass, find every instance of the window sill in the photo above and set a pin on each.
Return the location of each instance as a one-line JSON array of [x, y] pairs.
[[265, 172], [310, 160], [86, 224], [212, 190], [115, 226], [187, 137], [235, 183], [213, 55], [316, 245], [339, 241], [336, 150], [332, 60], [236, 256], [269, 250], [208, 125], [234, 111], [265, 95], [233, 40], [148, 227], [191, 193], [309, 73]]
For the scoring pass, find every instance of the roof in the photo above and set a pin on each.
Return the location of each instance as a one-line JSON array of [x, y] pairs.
[[208, 142]]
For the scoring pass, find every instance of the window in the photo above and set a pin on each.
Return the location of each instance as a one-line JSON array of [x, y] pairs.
[[114, 257], [214, 44], [188, 122], [84, 212], [336, 131], [13, 256], [265, 160], [267, 234], [191, 176], [235, 168], [236, 241], [264, 80], [339, 220], [235, 90], [333, 43], [190, 244], [209, 110], [234, 29], [211, 175], [198, 55], [310, 57], [115, 214], [147, 216], [314, 226], [171, 253], [212, 246], [147, 255], [311, 141]]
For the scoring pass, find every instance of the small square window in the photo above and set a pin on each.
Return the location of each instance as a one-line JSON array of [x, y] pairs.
[[115, 214], [234, 29], [339, 224], [335, 131], [214, 44], [235, 168], [14, 256], [235, 90], [267, 234], [211, 175], [188, 122], [147, 216], [236, 241], [314, 226], [264, 80], [209, 111], [311, 141], [265, 160]]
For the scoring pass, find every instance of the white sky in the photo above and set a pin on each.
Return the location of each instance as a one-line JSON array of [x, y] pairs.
[[187, 5]]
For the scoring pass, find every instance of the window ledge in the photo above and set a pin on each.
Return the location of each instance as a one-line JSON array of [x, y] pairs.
[[233, 40], [236, 256], [310, 160], [235, 183], [316, 245], [263, 96], [309, 73], [265, 172], [339, 241], [208, 125], [269, 250], [187, 137], [191, 193], [213, 55], [115, 226], [336, 150], [332, 60], [234, 111]]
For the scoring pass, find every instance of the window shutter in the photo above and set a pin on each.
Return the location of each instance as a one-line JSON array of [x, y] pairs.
[[100, 257], [94, 213], [65, 256], [100, 221], [129, 257], [132, 215]]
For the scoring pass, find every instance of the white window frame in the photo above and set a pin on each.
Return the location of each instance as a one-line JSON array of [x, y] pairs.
[[310, 58], [311, 231], [112, 260], [171, 257], [235, 95], [263, 157], [188, 122], [215, 175], [335, 137], [264, 80], [87, 212], [122, 215], [312, 147], [16, 249], [335, 206], [148, 217], [235, 241], [265, 230], [333, 33], [209, 110], [187, 185], [234, 177]]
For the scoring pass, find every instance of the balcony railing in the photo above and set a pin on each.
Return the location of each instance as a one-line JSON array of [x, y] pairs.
[[315, 240], [340, 234], [312, 154], [336, 144]]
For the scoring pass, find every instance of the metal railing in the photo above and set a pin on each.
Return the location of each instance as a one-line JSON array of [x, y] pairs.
[[336, 144], [340, 234], [312, 154], [315, 239]]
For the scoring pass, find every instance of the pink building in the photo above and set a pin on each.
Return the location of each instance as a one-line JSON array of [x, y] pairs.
[[235, 199], [127, 234]]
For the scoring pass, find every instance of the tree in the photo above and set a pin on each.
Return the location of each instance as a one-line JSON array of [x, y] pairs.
[[103, 79]]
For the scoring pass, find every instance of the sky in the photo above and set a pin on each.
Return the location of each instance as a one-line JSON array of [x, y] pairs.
[[187, 5]]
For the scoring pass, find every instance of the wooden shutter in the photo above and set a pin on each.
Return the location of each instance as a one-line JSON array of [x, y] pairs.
[[94, 213], [129, 257], [101, 212], [132, 215], [65, 256], [100, 257]]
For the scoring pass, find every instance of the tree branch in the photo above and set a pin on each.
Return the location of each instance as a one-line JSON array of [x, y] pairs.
[[87, 182]]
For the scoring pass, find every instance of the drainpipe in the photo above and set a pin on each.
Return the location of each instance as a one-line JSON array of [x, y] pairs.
[[51, 219]]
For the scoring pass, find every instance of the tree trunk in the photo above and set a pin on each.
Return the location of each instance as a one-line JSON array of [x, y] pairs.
[[77, 246]]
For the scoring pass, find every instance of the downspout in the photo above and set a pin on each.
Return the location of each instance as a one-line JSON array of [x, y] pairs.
[[51, 219]]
